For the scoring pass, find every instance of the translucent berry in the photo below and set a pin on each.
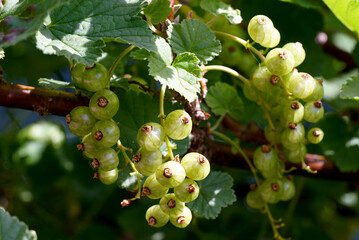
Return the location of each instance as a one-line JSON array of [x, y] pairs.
[[196, 165], [254, 199], [89, 146], [156, 217], [151, 136], [108, 177], [273, 40], [296, 155], [296, 48], [153, 189], [170, 204], [106, 133], [315, 135], [271, 190], [264, 80], [288, 190], [187, 191], [147, 162], [293, 112], [293, 135], [313, 111], [95, 77], [178, 124], [77, 74], [80, 121], [107, 158], [265, 159], [279, 61], [301, 85], [250, 92], [260, 29], [182, 219], [317, 93], [104, 104], [170, 174]]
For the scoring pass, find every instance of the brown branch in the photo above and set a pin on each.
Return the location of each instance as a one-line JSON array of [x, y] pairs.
[[43, 101]]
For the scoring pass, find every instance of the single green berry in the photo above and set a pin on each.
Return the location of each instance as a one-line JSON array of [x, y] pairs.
[[297, 50], [301, 85], [178, 124], [151, 136], [315, 135], [288, 190], [230, 51], [279, 61], [80, 121], [293, 135], [271, 190], [181, 220], [170, 204], [77, 74], [250, 92], [153, 189], [107, 159], [170, 174], [272, 135], [187, 191], [104, 104], [313, 111], [286, 78], [254, 199], [147, 162], [156, 217], [296, 155], [317, 93], [265, 159], [95, 77], [264, 80], [196, 165], [106, 133], [108, 177], [89, 146], [293, 112], [260, 29]]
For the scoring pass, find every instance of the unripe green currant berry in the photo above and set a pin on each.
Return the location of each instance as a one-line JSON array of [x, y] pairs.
[[182, 219], [178, 124], [80, 121], [89, 146], [293, 112], [95, 77], [107, 159], [170, 174], [77, 73], [277, 172], [288, 190], [156, 217], [286, 78], [104, 104], [276, 97], [271, 190], [196, 165], [293, 135], [313, 111], [317, 93], [153, 189], [147, 162], [315, 135], [265, 159], [279, 61], [106, 133], [297, 50], [296, 156], [264, 80], [254, 199], [273, 40], [301, 85], [260, 29], [151, 136], [108, 177], [187, 191], [272, 135], [170, 204], [230, 51], [250, 92]]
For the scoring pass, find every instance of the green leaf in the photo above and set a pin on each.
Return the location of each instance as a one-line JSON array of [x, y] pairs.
[[347, 11], [125, 180], [182, 76], [341, 146], [215, 193], [304, 3], [79, 35], [12, 228], [13, 7], [217, 7], [140, 54], [158, 10], [223, 98], [350, 90], [54, 84], [21, 29], [194, 36]]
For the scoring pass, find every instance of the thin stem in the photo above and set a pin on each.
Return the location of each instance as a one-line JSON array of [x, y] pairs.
[[243, 42], [227, 70], [210, 22], [239, 149], [215, 126], [152, 28], [272, 223], [118, 59]]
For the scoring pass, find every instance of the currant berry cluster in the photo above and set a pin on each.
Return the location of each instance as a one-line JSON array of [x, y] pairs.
[[94, 123], [179, 175], [290, 98]]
